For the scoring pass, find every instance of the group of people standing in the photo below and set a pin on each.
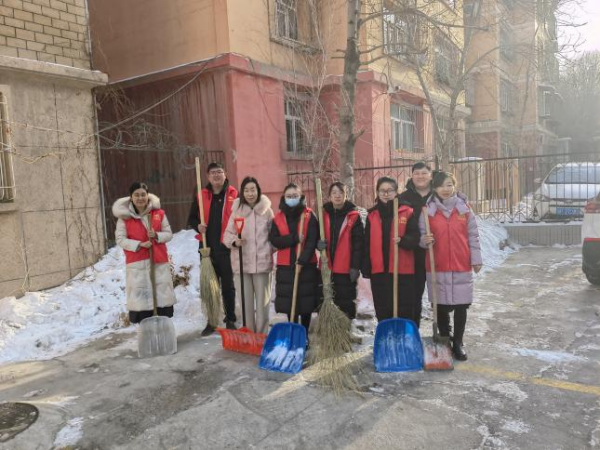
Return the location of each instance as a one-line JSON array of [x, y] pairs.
[[353, 246]]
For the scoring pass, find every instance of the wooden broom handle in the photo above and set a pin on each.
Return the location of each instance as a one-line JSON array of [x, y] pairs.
[[395, 270], [321, 223], [200, 200], [432, 265], [297, 271]]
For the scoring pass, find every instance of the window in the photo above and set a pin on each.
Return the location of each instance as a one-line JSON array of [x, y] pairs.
[[446, 59], [294, 127], [470, 87], [446, 132], [505, 97], [400, 34], [506, 43], [546, 106], [407, 126], [7, 181], [286, 19], [506, 146]]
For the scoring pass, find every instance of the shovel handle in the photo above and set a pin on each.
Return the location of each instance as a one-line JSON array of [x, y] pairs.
[[243, 293], [297, 272], [152, 276], [395, 270], [433, 274], [200, 200]]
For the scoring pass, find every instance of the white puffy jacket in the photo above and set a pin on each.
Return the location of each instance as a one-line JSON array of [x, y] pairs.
[[138, 284]]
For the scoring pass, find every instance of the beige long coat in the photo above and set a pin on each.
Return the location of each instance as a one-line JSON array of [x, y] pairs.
[[257, 251]]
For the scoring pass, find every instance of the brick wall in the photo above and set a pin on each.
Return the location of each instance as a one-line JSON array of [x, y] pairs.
[[46, 30]]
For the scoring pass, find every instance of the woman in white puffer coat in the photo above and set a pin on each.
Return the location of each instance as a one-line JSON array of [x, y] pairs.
[[256, 211], [141, 225]]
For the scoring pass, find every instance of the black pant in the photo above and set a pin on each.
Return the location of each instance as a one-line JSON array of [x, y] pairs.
[[138, 316], [382, 288], [460, 320], [222, 263], [420, 282], [304, 319]]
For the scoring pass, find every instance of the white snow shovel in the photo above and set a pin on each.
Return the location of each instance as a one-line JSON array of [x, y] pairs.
[[156, 335]]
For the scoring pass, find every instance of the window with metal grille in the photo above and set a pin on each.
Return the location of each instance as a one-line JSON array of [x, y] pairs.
[[407, 128], [294, 127], [446, 132], [470, 86], [446, 59], [286, 13], [400, 33], [7, 181]]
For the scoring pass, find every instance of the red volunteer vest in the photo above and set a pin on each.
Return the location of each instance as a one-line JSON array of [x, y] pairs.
[[284, 254], [231, 194], [406, 261], [137, 231], [343, 250], [451, 248]]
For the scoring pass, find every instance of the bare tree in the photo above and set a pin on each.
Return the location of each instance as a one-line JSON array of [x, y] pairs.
[[579, 114]]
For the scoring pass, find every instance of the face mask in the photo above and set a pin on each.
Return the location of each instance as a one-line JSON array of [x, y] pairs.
[[292, 202]]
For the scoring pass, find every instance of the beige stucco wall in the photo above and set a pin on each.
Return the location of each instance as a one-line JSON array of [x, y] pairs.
[[142, 36], [53, 228]]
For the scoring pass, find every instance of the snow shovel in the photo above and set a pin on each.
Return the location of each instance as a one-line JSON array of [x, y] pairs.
[[156, 336], [285, 346], [438, 354], [243, 340], [397, 346]]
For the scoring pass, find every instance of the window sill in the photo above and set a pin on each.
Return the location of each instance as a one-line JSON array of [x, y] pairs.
[[295, 44], [8, 207]]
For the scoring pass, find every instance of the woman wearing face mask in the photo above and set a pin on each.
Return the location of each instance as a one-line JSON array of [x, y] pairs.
[[285, 235], [457, 252], [142, 225], [344, 240], [256, 211], [379, 253]]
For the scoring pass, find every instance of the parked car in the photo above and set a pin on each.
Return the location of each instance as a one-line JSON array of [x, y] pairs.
[[590, 233], [564, 192]]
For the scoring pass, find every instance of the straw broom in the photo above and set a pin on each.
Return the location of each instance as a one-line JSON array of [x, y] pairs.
[[210, 291], [332, 330]]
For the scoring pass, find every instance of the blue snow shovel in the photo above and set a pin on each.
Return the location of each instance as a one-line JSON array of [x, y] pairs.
[[285, 345], [397, 346]]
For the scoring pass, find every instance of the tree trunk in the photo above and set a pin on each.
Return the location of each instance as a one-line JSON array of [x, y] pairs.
[[347, 137]]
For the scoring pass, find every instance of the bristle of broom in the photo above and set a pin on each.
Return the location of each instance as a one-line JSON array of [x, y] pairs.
[[210, 291], [333, 341]]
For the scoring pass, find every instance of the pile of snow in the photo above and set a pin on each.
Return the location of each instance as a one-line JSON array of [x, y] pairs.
[[45, 324], [494, 243]]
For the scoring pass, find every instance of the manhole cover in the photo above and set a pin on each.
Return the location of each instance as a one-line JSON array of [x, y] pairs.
[[15, 418]]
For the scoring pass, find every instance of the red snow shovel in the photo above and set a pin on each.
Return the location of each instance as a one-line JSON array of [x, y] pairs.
[[438, 355], [243, 340]]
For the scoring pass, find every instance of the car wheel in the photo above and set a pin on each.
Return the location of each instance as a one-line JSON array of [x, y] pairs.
[[595, 280]]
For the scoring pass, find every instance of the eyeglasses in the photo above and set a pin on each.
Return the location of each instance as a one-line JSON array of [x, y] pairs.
[[216, 172], [387, 191], [292, 196]]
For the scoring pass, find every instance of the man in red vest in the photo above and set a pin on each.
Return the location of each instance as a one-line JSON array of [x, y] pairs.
[[218, 197]]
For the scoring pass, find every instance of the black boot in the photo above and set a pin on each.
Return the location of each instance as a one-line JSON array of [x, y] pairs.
[[230, 325], [459, 352], [207, 331]]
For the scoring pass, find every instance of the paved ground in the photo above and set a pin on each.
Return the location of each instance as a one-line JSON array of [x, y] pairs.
[[532, 382]]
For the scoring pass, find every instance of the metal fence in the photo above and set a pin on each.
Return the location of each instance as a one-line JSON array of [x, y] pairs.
[[513, 189]]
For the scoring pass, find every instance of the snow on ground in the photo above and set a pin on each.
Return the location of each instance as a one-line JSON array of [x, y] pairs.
[[46, 324]]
